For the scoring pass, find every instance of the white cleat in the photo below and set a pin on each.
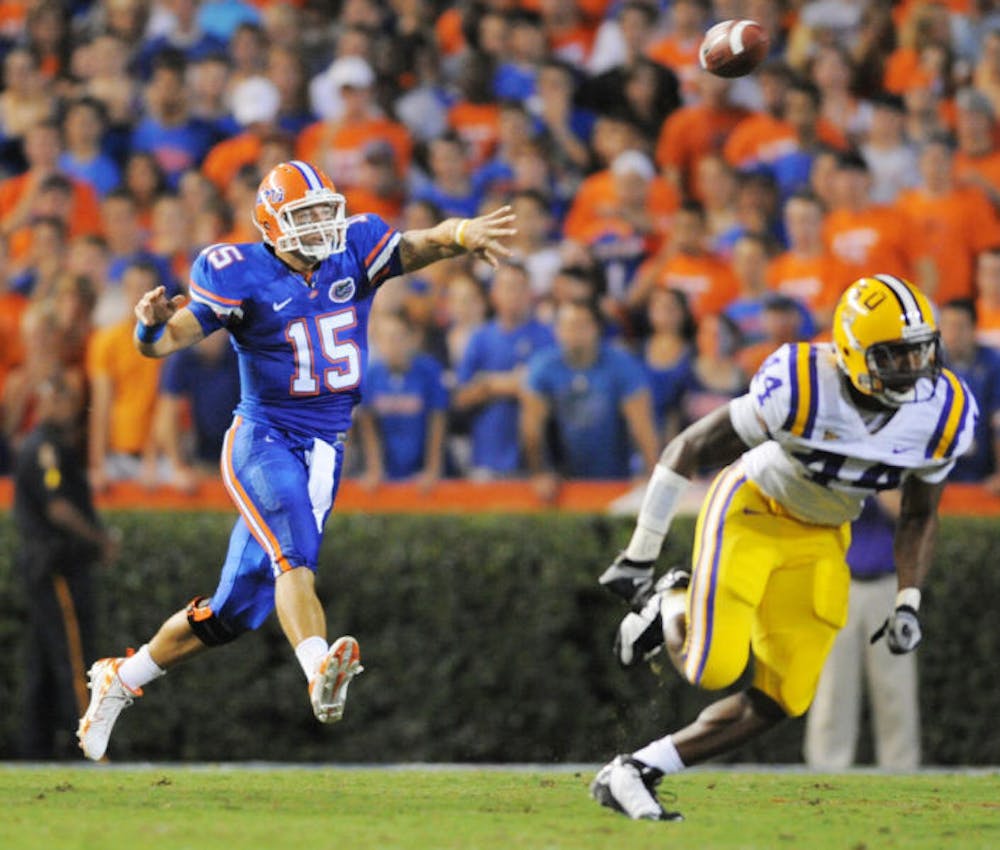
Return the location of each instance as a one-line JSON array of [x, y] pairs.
[[328, 686], [628, 786], [108, 698]]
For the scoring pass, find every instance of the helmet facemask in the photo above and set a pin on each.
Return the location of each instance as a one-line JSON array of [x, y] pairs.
[[896, 368], [299, 233]]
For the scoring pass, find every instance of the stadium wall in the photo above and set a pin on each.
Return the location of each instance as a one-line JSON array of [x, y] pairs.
[[485, 638]]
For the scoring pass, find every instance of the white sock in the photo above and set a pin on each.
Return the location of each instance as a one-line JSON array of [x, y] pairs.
[[139, 669], [661, 754], [310, 652]]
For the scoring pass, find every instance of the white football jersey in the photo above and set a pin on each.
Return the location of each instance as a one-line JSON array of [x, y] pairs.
[[819, 458]]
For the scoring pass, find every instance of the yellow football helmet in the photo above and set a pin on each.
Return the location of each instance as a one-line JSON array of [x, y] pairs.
[[887, 339]]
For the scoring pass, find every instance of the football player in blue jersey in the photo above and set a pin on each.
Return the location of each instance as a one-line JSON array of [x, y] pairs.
[[296, 306], [822, 427]]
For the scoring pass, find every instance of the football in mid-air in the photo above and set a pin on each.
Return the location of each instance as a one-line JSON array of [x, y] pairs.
[[733, 48]]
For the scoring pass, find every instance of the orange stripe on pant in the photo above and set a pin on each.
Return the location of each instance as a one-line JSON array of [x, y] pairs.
[[74, 642], [255, 522]]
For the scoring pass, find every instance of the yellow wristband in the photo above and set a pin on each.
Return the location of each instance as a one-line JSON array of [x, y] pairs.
[[459, 232]]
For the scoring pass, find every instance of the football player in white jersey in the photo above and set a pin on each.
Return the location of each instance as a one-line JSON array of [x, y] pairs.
[[822, 426]]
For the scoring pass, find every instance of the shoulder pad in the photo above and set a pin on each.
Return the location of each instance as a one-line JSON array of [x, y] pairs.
[[956, 419], [785, 390], [218, 277]]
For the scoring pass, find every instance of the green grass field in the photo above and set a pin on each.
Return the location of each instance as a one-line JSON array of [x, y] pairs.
[[204, 808]]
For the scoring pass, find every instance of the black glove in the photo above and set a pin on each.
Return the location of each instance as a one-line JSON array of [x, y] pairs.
[[631, 580], [901, 630]]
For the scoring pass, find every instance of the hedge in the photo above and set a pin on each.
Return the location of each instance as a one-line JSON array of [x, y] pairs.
[[485, 639]]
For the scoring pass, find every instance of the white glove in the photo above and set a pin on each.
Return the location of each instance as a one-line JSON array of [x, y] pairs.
[[901, 630]]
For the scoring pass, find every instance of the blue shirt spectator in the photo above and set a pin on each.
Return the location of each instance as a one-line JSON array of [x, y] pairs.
[[167, 131], [206, 379], [595, 396], [489, 374], [402, 402], [403, 407]]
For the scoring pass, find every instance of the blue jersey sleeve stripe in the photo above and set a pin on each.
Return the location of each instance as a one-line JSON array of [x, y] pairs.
[[383, 258], [203, 294]]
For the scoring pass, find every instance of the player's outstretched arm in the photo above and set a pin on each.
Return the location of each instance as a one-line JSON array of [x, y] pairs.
[[712, 441], [482, 235], [164, 326]]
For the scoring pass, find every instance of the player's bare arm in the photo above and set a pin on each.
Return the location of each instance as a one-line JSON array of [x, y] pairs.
[[712, 441], [482, 235], [916, 531], [180, 329]]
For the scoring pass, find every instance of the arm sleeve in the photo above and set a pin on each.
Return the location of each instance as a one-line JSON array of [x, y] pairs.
[[216, 287], [375, 246], [950, 441], [779, 394]]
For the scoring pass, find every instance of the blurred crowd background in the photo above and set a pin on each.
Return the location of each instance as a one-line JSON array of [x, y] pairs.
[[674, 227]]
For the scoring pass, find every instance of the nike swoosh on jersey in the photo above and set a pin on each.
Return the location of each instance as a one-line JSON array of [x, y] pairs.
[[280, 305]]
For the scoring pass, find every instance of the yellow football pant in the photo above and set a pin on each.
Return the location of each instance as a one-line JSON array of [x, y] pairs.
[[766, 582]]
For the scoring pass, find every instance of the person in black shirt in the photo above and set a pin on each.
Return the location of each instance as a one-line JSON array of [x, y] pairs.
[[60, 540]]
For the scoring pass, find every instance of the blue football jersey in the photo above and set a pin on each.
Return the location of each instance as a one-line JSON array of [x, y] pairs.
[[302, 344]]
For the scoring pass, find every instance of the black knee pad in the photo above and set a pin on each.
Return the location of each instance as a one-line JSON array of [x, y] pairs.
[[208, 628], [764, 706]]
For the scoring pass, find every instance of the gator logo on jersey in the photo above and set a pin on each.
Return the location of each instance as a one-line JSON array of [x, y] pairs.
[[342, 290]]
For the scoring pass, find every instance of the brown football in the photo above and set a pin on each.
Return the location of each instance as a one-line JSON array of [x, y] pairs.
[[733, 48]]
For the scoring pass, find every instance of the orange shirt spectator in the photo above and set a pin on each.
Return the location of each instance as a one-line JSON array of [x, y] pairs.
[[868, 241], [763, 138], [12, 307], [685, 265], [478, 126], [979, 169], [946, 226], [84, 212], [448, 32], [338, 150], [679, 49], [706, 280], [256, 102], [362, 200], [227, 157], [693, 131], [337, 144], [124, 387], [815, 282], [948, 230], [132, 380], [864, 237], [977, 157], [597, 200], [988, 300]]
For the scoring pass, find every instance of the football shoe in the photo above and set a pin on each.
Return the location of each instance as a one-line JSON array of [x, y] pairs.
[[328, 686], [109, 697], [628, 786]]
